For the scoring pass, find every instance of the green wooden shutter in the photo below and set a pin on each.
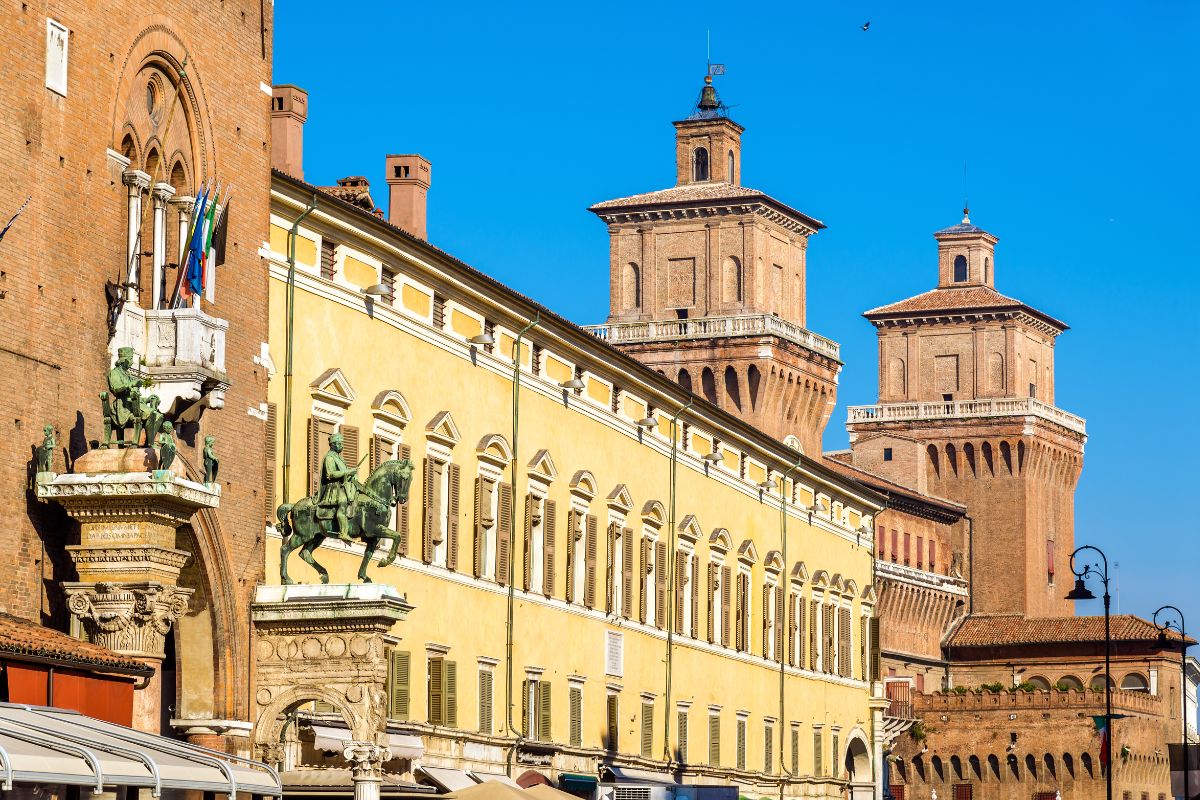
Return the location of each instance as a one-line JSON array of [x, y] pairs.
[[455, 483], [576, 713], [527, 545], [480, 531], [813, 610], [404, 454], [450, 694], [525, 731], [681, 722], [544, 712], [795, 749], [610, 601], [714, 740], [647, 729], [726, 591], [572, 524], [429, 519], [627, 573], [876, 655], [270, 439], [549, 546], [646, 569], [486, 682], [768, 749], [681, 590], [350, 445], [695, 597], [661, 571], [399, 669], [435, 696], [503, 533], [612, 738], [818, 754], [741, 743], [710, 603], [591, 545]]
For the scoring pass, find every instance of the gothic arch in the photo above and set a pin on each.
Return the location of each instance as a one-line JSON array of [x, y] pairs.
[[753, 380], [732, 390], [731, 280], [631, 287], [685, 380], [708, 385]]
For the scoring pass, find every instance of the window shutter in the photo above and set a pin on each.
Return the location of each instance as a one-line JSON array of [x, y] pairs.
[[696, 597], [436, 698], [714, 740], [455, 481], [544, 715], [766, 621], [813, 608], [486, 681], [503, 532], [768, 749], [710, 605], [527, 544], [576, 713], [726, 590], [431, 511], [399, 667], [270, 435], [801, 629], [830, 642], [450, 694], [350, 445], [610, 602], [647, 729], [549, 537], [876, 655], [844, 643], [405, 454], [660, 584], [612, 739], [378, 451], [525, 708], [795, 749], [682, 735], [646, 569], [328, 251], [480, 532], [572, 526], [627, 573], [741, 744], [589, 590], [780, 595], [681, 589], [818, 754], [864, 665], [792, 633], [314, 456]]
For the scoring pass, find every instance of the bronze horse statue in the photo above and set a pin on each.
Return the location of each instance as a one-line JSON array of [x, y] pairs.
[[368, 515]]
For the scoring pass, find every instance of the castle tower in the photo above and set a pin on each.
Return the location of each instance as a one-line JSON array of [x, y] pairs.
[[707, 285], [966, 412]]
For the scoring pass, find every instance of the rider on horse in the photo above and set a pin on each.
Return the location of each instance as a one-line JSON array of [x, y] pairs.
[[339, 487]]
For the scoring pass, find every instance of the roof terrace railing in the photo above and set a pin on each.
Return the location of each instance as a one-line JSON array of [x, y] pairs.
[[712, 328], [995, 407]]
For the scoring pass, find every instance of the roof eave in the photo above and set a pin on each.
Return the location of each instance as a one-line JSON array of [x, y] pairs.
[[799, 216]]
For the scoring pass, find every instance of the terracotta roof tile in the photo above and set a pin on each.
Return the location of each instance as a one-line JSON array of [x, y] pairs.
[[964, 298], [19, 637], [838, 463], [700, 193], [989, 630]]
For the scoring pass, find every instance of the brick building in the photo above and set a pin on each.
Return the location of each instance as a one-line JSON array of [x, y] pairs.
[[114, 117]]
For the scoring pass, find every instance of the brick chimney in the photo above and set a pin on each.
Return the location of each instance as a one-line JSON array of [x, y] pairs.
[[289, 109], [408, 183]]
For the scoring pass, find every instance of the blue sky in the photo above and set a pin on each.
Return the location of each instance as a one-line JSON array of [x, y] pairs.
[[1076, 123]]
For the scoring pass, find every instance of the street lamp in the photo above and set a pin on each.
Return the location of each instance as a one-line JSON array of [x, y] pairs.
[[1180, 627], [1081, 592]]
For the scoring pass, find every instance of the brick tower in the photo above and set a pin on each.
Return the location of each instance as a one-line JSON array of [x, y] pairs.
[[707, 286], [966, 412]]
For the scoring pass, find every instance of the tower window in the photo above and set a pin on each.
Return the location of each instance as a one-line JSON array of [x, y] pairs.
[[1033, 390], [731, 178], [887, 454], [987, 270], [960, 269], [700, 164]]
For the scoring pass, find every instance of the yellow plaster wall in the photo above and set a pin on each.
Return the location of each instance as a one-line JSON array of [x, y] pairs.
[[358, 272], [306, 249]]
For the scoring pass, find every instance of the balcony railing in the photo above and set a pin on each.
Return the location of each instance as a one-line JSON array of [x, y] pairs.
[[712, 328], [996, 407]]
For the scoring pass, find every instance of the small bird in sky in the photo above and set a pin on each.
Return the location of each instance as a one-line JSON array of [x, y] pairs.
[[866, 25]]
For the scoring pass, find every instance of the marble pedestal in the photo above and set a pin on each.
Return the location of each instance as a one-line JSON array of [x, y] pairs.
[[127, 596]]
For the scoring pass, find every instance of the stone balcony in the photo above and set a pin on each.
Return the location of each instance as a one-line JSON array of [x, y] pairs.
[[966, 409], [713, 328], [182, 350]]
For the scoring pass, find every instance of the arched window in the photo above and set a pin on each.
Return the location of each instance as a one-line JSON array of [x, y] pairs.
[[732, 178], [1039, 683], [1134, 682], [685, 379], [987, 270], [631, 287], [1069, 683], [700, 164], [731, 280], [731, 387], [708, 385], [753, 379], [960, 269]]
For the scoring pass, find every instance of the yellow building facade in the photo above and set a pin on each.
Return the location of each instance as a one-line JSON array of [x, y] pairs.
[[682, 640]]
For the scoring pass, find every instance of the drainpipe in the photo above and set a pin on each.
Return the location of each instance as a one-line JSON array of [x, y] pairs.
[[785, 586], [291, 330], [512, 517], [669, 611]]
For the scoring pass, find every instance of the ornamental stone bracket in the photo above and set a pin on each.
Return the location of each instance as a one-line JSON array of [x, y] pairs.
[[325, 642], [131, 619]]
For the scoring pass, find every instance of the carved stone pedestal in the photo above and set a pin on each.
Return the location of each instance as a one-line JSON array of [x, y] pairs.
[[327, 643], [127, 597]]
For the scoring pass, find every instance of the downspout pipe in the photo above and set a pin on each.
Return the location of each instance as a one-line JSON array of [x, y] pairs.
[[669, 611], [290, 347], [785, 587], [512, 517]]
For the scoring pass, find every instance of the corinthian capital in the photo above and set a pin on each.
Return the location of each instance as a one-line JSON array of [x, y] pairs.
[[366, 759], [136, 179], [132, 619]]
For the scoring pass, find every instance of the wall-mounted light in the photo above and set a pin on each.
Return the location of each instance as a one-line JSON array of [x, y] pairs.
[[647, 423], [482, 340], [574, 385], [711, 460], [377, 290]]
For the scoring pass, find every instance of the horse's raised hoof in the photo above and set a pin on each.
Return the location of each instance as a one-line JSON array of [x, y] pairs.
[[387, 562], [324, 579], [365, 579]]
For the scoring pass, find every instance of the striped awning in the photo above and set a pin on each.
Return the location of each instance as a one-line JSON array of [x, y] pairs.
[[49, 746]]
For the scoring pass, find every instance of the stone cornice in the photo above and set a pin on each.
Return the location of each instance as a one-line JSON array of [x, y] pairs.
[[634, 214], [966, 317]]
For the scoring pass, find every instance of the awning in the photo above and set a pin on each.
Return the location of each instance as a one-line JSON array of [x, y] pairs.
[[644, 776], [337, 781], [578, 784], [483, 777], [334, 740], [57, 746], [448, 780]]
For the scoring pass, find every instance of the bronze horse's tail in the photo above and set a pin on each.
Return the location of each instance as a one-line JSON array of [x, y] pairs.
[[284, 515]]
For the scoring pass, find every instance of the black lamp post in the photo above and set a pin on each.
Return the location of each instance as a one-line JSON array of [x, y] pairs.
[[1180, 627], [1081, 592]]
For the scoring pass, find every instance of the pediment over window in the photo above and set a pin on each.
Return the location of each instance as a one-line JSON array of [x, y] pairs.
[[494, 449], [542, 466], [821, 579], [773, 562], [690, 528], [333, 387], [619, 499], [390, 406], [869, 595], [800, 572], [720, 540], [583, 483], [443, 429], [747, 552], [654, 514]]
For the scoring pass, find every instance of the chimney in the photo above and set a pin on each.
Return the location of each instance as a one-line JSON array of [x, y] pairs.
[[408, 182], [289, 109]]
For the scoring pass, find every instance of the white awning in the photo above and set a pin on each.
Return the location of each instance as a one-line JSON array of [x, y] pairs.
[[333, 740], [56, 746], [449, 780], [483, 777], [631, 775]]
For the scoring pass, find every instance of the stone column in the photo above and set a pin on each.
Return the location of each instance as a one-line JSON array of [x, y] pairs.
[[366, 770], [183, 207], [137, 182], [161, 193]]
